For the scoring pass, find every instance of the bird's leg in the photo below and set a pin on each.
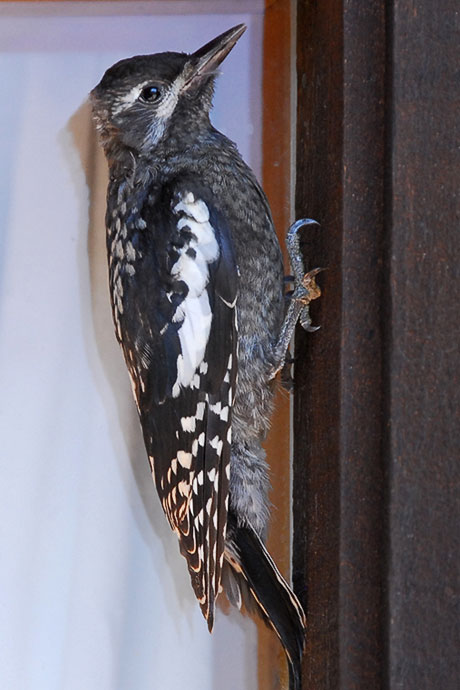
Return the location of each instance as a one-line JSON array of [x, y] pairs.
[[305, 290]]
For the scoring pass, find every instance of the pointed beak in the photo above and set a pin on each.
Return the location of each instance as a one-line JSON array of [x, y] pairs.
[[206, 59]]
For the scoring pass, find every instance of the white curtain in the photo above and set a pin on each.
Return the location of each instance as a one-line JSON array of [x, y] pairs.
[[93, 592]]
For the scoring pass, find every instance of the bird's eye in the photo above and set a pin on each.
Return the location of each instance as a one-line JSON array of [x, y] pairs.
[[150, 94]]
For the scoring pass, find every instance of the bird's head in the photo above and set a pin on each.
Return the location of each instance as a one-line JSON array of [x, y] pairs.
[[143, 100]]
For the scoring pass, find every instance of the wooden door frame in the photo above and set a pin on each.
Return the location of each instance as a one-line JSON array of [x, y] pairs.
[[278, 137]]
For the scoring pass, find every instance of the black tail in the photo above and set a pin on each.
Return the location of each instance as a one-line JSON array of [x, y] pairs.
[[277, 603]]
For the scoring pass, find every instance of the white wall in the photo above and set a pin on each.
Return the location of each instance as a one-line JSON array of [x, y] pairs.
[[93, 592]]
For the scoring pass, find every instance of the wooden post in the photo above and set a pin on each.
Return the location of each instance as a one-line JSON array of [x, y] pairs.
[[376, 453]]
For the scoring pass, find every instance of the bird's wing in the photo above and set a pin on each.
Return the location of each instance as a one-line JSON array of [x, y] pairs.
[[180, 346]]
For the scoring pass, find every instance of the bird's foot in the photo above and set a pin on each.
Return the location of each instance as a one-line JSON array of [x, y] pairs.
[[305, 291], [305, 287]]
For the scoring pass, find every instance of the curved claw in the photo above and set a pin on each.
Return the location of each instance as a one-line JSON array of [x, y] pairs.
[[295, 227], [293, 246], [292, 239], [305, 321]]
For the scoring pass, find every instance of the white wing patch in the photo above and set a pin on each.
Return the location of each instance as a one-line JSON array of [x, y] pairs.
[[192, 267]]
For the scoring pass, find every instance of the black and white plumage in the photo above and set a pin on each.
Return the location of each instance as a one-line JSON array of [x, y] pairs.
[[196, 283]]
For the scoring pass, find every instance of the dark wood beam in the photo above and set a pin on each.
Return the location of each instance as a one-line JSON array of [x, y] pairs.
[[376, 472]]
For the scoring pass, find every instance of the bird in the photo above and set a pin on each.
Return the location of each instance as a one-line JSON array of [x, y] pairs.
[[198, 299]]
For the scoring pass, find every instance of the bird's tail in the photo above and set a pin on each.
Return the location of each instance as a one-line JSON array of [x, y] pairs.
[[250, 575]]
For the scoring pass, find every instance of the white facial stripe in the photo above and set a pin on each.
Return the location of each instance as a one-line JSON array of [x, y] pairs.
[[129, 98], [163, 111], [167, 105]]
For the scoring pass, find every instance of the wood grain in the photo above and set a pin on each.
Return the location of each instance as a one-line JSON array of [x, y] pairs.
[[277, 183], [376, 433]]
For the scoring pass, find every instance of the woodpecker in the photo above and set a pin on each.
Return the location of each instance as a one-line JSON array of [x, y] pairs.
[[197, 293]]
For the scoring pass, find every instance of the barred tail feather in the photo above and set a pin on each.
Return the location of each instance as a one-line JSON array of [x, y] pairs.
[[256, 575]]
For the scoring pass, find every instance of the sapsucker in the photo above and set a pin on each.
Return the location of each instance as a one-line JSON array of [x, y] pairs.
[[197, 291]]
